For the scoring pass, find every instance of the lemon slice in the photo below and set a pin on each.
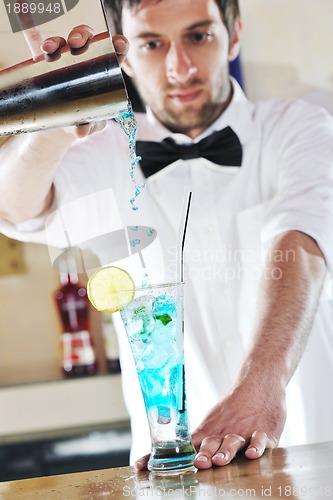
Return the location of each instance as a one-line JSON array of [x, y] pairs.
[[110, 289]]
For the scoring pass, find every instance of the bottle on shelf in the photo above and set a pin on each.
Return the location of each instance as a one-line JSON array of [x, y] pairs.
[[78, 356], [111, 344]]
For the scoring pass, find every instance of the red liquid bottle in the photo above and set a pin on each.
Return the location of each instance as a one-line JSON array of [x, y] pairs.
[[78, 357], [111, 344]]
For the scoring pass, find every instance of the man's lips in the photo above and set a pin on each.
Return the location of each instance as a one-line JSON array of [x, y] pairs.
[[185, 96]]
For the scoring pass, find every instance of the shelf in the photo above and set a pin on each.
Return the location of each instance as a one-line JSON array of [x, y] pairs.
[[59, 406]]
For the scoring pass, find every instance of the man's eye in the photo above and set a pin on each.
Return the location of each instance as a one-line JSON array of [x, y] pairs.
[[152, 45], [200, 37]]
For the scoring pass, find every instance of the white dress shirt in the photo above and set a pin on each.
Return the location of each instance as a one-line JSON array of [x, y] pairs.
[[285, 183]]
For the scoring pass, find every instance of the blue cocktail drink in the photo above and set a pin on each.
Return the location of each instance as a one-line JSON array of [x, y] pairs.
[[154, 326]]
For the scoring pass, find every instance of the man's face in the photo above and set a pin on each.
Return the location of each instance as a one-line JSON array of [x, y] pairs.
[[179, 56]]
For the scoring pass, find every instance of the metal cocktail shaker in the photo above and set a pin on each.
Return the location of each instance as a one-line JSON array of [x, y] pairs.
[[70, 87]]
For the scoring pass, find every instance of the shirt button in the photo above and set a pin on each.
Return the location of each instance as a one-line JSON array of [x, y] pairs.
[[210, 229]]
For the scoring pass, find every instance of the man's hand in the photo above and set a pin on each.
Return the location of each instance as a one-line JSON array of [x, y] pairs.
[[250, 419], [77, 38]]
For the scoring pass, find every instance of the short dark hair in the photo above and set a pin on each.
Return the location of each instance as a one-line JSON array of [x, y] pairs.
[[229, 11]]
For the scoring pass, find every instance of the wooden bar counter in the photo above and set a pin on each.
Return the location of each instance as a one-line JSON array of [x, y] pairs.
[[300, 472]]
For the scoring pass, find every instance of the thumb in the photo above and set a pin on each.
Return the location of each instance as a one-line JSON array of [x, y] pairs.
[[141, 463]]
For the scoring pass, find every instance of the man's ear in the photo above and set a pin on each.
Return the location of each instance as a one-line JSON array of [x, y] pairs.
[[235, 42], [127, 68]]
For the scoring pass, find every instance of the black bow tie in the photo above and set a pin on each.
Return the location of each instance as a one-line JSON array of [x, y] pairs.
[[222, 147]]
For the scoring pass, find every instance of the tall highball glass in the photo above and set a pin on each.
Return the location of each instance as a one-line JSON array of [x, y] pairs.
[[154, 323]]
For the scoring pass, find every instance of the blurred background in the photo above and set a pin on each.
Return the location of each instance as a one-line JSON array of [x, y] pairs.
[[50, 423]]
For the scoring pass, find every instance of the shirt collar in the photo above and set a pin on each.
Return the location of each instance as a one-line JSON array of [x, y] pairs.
[[238, 115]]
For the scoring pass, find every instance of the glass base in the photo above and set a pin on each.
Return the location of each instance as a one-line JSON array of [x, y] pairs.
[[175, 479], [171, 456]]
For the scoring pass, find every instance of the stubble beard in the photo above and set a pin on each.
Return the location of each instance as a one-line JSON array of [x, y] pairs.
[[186, 120]]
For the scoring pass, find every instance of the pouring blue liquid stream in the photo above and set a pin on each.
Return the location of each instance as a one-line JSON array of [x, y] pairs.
[[128, 123]]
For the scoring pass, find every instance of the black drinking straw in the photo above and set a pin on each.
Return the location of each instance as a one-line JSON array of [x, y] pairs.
[[182, 233], [180, 253]]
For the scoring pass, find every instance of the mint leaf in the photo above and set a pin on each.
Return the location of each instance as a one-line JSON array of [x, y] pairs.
[[164, 318]]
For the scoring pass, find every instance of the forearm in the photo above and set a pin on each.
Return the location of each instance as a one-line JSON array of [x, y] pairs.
[[287, 303], [27, 166], [252, 415]]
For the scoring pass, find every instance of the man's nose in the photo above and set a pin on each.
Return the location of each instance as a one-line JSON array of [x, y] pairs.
[[179, 67]]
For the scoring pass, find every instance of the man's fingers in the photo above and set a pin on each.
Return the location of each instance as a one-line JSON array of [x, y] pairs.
[[230, 446], [86, 129], [79, 36], [51, 45], [31, 33], [34, 40], [213, 451], [141, 464], [208, 448], [258, 444], [121, 46]]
